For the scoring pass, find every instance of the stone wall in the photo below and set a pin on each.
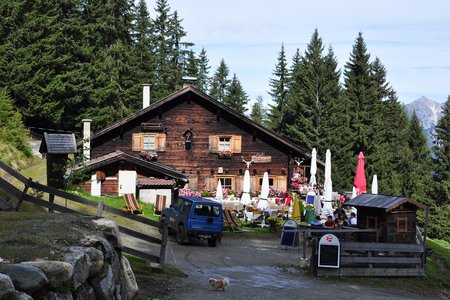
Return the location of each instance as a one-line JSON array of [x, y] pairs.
[[90, 268]]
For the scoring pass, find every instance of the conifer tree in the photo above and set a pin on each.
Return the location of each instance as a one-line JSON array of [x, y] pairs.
[[418, 174], [258, 111], [235, 97], [220, 81], [278, 92], [191, 65], [441, 151], [203, 79]]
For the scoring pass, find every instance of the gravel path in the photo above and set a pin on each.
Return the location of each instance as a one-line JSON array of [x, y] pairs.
[[258, 269]]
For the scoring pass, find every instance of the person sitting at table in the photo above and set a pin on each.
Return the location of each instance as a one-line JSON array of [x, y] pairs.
[[339, 223], [329, 223], [316, 223], [352, 219]]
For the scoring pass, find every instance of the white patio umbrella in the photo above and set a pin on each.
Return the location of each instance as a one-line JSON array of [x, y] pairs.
[[219, 192], [374, 184], [353, 192], [263, 203], [328, 185], [313, 171], [245, 199]]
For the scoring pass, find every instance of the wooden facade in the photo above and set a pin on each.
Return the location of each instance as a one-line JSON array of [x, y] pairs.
[[204, 140], [394, 217]]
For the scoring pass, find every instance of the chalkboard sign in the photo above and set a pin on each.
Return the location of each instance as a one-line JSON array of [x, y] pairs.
[[289, 234], [329, 251]]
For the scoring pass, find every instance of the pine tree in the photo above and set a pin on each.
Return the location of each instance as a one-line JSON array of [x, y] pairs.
[[235, 97], [203, 79], [441, 151], [278, 92], [359, 91], [220, 81], [419, 172], [258, 111], [12, 129], [191, 65]]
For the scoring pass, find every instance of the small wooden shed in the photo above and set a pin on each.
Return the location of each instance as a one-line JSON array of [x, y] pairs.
[[395, 217], [57, 147]]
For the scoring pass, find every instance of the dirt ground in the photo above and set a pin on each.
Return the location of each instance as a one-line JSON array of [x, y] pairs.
[[256, 268]]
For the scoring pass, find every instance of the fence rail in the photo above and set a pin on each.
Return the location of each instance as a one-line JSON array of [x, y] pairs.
[[52, 192]]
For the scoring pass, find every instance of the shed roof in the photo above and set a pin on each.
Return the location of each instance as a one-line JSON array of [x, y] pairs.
[[119, 156], [58, 143], [387, 203]]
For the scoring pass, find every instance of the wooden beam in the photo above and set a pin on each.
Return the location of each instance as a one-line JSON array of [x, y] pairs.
[[379, 260], [391, 247], [381, 272]]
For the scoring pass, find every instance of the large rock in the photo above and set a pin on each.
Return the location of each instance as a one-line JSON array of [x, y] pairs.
[[129, 278], [6, 284], [84, 292], [26, 278], [104, 285], [77, 257], [15, 295], [58, 273], [51, 295], [100, 243], [111, 231], [96, 260]]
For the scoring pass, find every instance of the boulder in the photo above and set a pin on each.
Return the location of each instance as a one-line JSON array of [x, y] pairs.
[[103, 285], [96, 260], [111, 231], [6, 285], [15, 295], [51, 295], [26, 278], [100, 243], [58, 273], [77, 257], [131, 286], [84, 292]]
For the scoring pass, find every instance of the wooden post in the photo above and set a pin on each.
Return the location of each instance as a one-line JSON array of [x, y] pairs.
[[424, 256], [24, 192], [51, 199], [100, 208], [162, 253]]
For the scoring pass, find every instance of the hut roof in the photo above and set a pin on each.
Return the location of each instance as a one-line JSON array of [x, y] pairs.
[[119, 156], [58, 143], [387, 203]]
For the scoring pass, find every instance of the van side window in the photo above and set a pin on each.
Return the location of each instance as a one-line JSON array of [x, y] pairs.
[[187, 207]]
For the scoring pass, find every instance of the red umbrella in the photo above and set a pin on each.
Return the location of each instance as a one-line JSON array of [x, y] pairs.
[[360, 177]]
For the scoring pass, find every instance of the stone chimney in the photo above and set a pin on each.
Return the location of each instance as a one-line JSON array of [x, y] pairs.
[[145, 95], [86, 139]]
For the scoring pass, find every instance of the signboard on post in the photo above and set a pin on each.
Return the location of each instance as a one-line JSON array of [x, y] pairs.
[[289, 235], [329, 251]]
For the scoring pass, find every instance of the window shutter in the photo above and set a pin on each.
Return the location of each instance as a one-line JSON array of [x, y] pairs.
[[161, 142], [136, 142], [213, 143], [236, 141]]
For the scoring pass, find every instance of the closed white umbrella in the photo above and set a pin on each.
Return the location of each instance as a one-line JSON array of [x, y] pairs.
[[354, 192], [219, 192], [312, 179], [245, 199], [374, 184], [263, 203], [328, 185]]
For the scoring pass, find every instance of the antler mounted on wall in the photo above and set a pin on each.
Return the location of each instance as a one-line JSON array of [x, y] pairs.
[[248, 163]]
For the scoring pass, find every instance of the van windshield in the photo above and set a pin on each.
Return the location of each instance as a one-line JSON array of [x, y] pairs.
[[206, 210]]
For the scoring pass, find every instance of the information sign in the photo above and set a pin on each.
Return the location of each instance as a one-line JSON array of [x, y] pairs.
[[329, 251], [289, 234]]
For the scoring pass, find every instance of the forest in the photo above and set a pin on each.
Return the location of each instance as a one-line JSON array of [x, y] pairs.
[[62, 61]]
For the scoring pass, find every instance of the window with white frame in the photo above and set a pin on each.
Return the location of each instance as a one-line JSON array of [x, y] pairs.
[[149, 142], [224, 143]]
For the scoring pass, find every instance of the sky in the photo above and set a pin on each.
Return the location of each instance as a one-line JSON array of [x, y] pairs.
[[411, 38]]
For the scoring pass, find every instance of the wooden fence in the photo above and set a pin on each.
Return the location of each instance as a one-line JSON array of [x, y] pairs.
[[23, 195], [367, 258]]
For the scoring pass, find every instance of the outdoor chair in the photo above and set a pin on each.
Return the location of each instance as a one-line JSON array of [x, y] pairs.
[[230, 221], [160, 204], [132, 205]]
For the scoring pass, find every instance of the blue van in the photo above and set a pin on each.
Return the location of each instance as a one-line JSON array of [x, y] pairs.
[[195, 217]]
